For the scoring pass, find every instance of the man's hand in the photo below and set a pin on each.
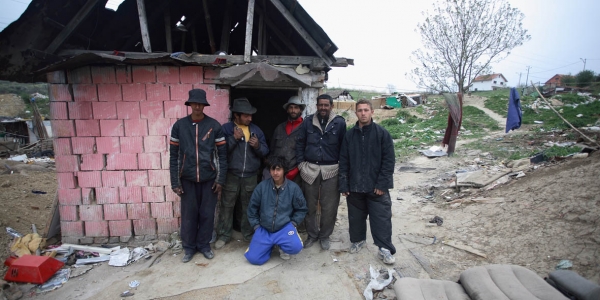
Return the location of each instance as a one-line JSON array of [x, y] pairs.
[[178, 190], [217, 188], [346, 194], [254, 142], [237, 133], [378, 192]]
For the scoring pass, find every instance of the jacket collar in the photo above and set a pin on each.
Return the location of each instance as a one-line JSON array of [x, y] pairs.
[[364, 128], [282, 187], [315, 120]]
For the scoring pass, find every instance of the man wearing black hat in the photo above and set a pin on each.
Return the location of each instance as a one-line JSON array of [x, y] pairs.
[[246, 147], [198, 166]]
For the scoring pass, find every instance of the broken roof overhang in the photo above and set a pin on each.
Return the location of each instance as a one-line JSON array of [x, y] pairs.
[[253, 72]]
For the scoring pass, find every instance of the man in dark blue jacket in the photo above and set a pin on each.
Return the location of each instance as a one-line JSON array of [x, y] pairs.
[[366, 175], [197, 148], [276, 208], [246, 147], [317, 154]]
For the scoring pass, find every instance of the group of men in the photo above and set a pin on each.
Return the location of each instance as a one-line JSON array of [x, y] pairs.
[[310, 162]]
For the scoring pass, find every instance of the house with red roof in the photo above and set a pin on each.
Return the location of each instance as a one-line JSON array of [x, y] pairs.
[[488, 82], [555, 81]]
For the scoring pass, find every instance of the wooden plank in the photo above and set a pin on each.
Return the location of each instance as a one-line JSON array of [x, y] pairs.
[[71, 26], [225, 31], [168, 37], [144, 25], [464, 247], [211, 38], [280, 35], [249, 24], [302, 32]]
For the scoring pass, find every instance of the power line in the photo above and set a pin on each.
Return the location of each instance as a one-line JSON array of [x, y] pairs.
[[556, 68], [20, 2]]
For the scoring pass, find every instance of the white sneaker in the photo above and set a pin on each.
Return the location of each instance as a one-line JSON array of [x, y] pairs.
[[355, 247], [386, 256], [283, 255]]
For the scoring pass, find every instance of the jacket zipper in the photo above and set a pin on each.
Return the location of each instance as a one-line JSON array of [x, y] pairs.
[[275, 210], [244, 166], [197, 166]]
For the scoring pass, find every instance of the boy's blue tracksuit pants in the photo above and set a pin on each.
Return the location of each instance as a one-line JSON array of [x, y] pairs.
[[262, 243]]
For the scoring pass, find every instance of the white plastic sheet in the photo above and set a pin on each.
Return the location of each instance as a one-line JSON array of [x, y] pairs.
[[377, 283]]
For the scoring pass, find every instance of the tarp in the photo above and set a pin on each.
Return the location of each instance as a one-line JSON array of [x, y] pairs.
[[513, 120], [393, 102]]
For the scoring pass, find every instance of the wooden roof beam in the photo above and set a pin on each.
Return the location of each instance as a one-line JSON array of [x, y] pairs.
[[71, 26], [278, 33], [249, 24], [144, 25]]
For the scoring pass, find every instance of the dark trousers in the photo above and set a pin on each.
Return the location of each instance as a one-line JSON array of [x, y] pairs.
[[198, 204], [379, 210], [235, 187], [324, 193]]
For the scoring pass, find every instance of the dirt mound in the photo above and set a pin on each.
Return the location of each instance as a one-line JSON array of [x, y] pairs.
[[11, 105]]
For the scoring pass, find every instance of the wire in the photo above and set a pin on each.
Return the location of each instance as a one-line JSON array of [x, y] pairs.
[[20, 2], [577, 62]]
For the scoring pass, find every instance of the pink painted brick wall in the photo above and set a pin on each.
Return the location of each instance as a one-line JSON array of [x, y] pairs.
[[120, 228]]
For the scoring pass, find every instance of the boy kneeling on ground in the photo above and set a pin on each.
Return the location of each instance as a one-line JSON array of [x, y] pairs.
[[276, 208]]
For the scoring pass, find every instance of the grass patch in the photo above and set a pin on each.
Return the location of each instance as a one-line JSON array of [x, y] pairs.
[[560, 151]]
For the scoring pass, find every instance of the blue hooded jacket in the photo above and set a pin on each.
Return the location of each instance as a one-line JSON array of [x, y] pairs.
[[513, 120]]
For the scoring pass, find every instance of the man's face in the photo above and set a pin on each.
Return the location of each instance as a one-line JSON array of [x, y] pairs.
[[243, 119], [197, 108], [294, 111], [364, 114], [324, 107], [277, 173]]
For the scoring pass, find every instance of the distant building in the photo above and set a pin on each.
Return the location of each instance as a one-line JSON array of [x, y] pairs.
[[555, 81], [488, 82], [341, 95]]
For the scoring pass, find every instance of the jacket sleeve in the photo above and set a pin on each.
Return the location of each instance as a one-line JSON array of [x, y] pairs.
[[385, 179], [221, 144], [263, 149], [174, 156], [254, 207], [229, 139], [342, 131], [301, 141], [299, 206], [344, 164]]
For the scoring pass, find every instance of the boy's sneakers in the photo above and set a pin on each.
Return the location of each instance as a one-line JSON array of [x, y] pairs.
[[357, 246], [386, 256], [283, 255]]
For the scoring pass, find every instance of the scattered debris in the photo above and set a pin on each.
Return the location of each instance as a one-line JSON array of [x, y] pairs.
[[479, 178], [56, 281], [464, 247], [126, 293], [376, 283], [119, 258], [434, 151], [79, 270], [13, 232], [417, 239], [414, 169], [564, 264], [134, 284], [437, 220]]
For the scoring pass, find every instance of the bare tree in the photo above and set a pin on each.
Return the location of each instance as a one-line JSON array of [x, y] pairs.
[[461, 39]]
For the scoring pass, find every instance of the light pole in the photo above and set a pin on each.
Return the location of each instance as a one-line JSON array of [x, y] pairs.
[[583, 60]]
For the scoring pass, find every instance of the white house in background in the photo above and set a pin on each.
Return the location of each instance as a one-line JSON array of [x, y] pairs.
[[488, 82]]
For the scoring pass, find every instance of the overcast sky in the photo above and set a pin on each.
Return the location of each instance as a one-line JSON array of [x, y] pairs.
[[380, 36]]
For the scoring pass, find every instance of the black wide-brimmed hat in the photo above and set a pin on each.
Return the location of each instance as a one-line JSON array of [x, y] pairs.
[[242, 105], [197, 96]]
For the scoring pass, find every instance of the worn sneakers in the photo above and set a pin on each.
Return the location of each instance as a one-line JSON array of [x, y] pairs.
[[219, 244], [355, 247], [283, 255], [386, 256], [309, 242]]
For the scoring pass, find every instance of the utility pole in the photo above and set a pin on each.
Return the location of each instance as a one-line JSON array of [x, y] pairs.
[[519, 79], [583, 60], [526, 84]]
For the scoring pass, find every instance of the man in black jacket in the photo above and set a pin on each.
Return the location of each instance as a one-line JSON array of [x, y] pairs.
[[283, 142], [317, 154], [366, 175], [197, 148]]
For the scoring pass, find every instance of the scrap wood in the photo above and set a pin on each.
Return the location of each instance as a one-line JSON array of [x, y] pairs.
[[464, 247], [417, 239], [478, 200]]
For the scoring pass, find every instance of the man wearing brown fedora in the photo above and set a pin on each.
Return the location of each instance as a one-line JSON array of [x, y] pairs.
[[198, 165], [246, 147]]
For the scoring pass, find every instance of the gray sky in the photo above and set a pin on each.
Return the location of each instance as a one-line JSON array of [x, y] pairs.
[[380, 36]]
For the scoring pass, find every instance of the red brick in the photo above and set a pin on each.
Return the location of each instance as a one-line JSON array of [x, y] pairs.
[[68, 212], [175, 109], [159, 126], [149, 161], [109, 93], [62, 128], [80, 110], [157, 92], [123, 74], [153, 194], [120, 228], [167, 225], [62, 146], [136, 127], [128, 110], [115, 212], [107, 195], [136, 178], [71, 228], [106, 145], [159, 178], [90, 212], [151, 109], [66, 163], [80, 75], [104, 110], [112, 128], [96, 228], [92, 162], [104, 75], [61, 77], [87, 196], [69, 196], [191, 74], [170, 196], [143, 74], [58, 111], [85, 92], [162, 209], [164, 158], [130, 194], [83, 145], [132, 144], [143, 227], [134, 92], [90, 179], [66, 180], [59, 92], [167, 74], [180, 91], [137, 211], [177, 209], [121, 161], [113, 178], [211, 73], [155, 144], [87, 127]]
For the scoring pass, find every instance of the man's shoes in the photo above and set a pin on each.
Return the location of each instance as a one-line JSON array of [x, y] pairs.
[[355, 247], [386, 256], [208, 254], [309, 242], [325, 244], [187, 257], [219, 244], [283, 255]]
